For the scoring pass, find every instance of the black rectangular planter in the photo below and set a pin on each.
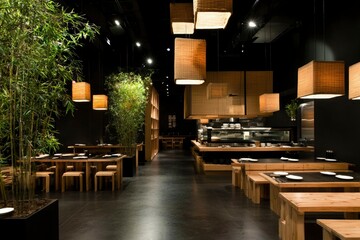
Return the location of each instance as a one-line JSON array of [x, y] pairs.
[[129, 166], [41, 225]]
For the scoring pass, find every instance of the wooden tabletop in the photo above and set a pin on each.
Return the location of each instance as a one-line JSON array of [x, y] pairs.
[[323, 201], [343, 228]]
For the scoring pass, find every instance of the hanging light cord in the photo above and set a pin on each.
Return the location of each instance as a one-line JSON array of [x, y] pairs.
[[324, 29]]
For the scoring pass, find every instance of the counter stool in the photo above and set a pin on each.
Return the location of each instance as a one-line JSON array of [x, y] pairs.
[[72, 174], [105, 174], [46, 179]]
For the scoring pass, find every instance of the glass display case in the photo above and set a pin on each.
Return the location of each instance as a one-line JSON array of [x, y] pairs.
[[238, 135]]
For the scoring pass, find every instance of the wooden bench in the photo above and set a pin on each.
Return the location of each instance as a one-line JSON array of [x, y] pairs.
[[255, 186], [343, 229], [235, 176]]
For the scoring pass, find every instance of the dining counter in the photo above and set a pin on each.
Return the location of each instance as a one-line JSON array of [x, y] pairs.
[[61, 164], [227, 148]]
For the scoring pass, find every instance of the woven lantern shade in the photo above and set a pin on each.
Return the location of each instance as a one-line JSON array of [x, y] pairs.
[[321, 80], [100, 102], [354, 81], [182, 18], [212, 14], [269, 102], [81, 92], [189, 61]]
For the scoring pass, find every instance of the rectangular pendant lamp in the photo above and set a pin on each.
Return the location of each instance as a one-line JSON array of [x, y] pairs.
[[100, 102], [81, 92], [212, 14], [269, 102], [321, 80], [189, 61], [354, 81], [182, 18]]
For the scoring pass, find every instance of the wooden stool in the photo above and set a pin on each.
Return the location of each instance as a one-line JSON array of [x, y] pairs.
[[72, 174], [111, 167], [46, 179], [105, 174]]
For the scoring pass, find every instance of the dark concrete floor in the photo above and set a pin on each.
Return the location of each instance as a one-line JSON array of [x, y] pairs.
[[166, 201]]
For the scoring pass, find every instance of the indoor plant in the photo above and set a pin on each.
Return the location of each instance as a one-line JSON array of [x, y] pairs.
[[128, 93], [38, 41], [291, 109]]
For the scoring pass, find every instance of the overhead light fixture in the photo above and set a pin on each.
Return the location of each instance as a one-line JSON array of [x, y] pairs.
[[212, 14], [138, 44], [100, 102], [189, 61], [81, 92], [269, 102], [117, 22], [354, 81], [252, 24], [182, 18], [149, 60], [321, 80]]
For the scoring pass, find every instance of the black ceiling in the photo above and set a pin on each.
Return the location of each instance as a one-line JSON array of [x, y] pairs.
[[148, 21]]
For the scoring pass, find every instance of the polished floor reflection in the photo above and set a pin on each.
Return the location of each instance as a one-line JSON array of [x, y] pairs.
[[166, 201]]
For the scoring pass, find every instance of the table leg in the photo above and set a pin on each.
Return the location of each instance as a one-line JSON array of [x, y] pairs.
[[87, 176], [327, 235], [119, 173]]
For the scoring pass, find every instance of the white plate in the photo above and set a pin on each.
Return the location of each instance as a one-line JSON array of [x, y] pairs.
[[328, 173], [320, 158], [253, 160], [42, 156], [294, 177], [68, 155], [6, 210], [284, 158], [345, 177], [280, 173], [330, 160], [293, 160]]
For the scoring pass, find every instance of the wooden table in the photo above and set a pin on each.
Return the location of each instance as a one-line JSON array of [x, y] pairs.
[[62, 162], [108, 148], [312, 182], [295, 205], [275, 164], [342, 229]]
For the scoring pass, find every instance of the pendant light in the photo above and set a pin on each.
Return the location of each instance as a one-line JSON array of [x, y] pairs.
[[212, 14], [100, 102], [354, 81], [321, 80], [81, 92], [182, 18], [269, 102], [189, 61]]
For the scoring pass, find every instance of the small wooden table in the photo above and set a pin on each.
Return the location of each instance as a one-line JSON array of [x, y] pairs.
[[61, 163], [343, 229], [295, 205], [312, 182]]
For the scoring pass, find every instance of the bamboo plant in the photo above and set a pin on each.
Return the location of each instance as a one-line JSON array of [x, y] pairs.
[[38, 42], [128, 93], [291, 109]]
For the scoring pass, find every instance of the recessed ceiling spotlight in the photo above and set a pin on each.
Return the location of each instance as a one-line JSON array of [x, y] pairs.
[[252, 24], [168, 49], [149, 61], [138, 44], [167, 76], [108, 41], [117, 22]]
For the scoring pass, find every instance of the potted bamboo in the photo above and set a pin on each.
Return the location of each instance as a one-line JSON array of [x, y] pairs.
[[291, 109], [37, 61], [128, 93]]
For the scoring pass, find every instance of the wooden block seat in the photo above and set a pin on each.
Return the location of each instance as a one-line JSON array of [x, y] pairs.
[[46, 178], [105, 174], [255, 183], [71, 174]]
